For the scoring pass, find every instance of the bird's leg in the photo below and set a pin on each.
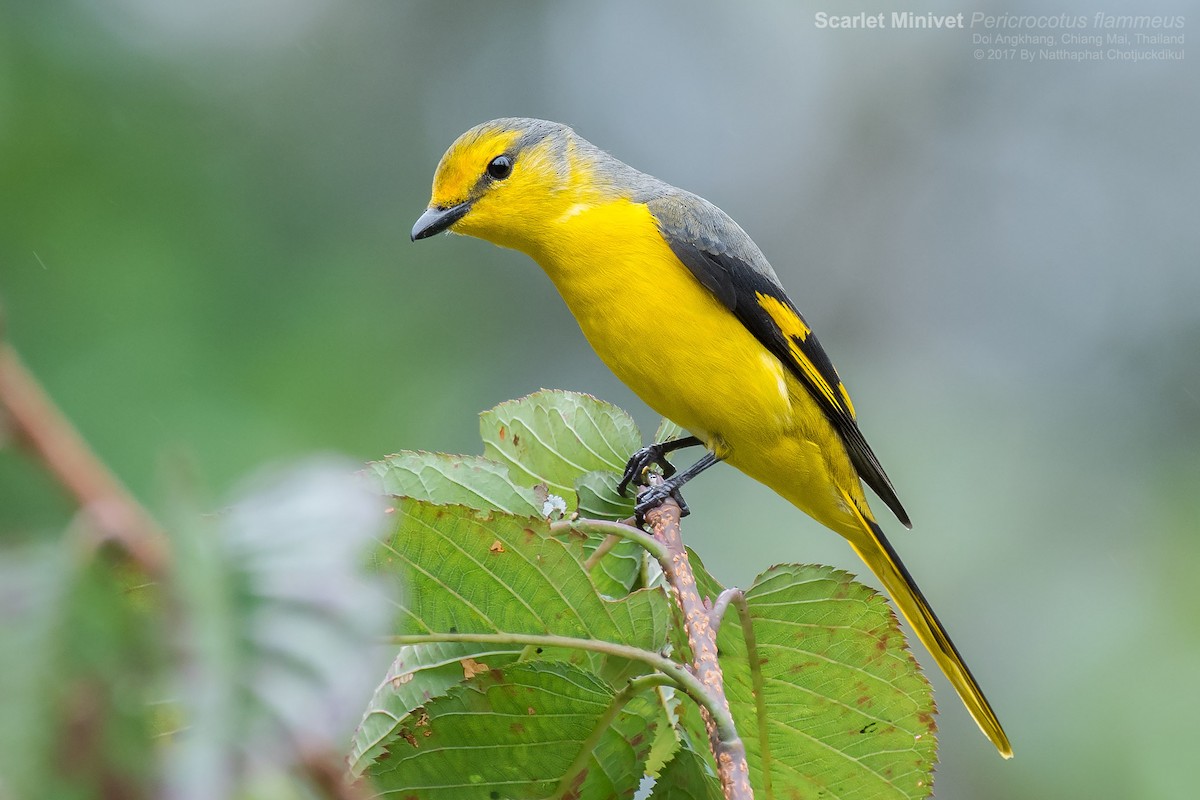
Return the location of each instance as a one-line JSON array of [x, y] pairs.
[[656, 494], [640, 461]]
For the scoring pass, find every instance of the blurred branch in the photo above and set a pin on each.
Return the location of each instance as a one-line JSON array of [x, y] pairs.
[[38, 425], [327, 773], [727, 746]]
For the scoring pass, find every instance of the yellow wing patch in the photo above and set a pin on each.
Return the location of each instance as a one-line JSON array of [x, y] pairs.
[[796, 332], [784, 318]]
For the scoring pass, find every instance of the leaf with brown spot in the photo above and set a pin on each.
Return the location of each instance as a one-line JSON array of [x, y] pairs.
[[471, 668], [479, 746]]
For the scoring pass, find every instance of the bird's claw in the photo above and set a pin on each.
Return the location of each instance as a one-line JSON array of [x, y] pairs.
[[641, 461], [654, 496]]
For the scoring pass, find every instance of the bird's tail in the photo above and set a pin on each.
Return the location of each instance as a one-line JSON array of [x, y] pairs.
[[875, 550]]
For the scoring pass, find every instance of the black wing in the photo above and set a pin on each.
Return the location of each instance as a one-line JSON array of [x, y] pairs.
[[725, 260]]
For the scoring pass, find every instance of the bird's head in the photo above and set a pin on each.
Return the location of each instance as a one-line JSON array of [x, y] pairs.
[[508, 180]]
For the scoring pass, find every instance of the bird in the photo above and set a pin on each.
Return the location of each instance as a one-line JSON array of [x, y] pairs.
[[679, 302]]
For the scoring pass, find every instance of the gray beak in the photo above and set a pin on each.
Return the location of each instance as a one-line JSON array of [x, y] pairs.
[[436, 220]]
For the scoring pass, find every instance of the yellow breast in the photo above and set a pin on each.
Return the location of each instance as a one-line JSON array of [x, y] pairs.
[[659, 330]]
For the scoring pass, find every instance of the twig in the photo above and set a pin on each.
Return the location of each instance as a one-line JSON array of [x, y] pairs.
[[39, 426], [610, 541], [727, 746], [610, 528]]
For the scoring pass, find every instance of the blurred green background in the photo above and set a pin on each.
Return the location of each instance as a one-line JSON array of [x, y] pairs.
[[204, 255]]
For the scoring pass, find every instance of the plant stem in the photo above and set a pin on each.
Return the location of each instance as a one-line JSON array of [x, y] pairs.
[[679, 674], [610, 528], [610, 541], [635, 686]]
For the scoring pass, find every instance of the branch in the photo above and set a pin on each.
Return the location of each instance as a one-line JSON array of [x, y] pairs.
[[40, 427], [327, 773], [726, 745]]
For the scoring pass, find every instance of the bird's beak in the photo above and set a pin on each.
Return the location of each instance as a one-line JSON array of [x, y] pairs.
[[436, 220]]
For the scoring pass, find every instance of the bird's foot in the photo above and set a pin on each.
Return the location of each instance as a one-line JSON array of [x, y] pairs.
[[641, 461], [654, 496]]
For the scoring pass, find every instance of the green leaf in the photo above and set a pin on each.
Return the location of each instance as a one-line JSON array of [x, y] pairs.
[[556, 437], [637, 741], [668, 430], [833, 662], [666, 743], [599, 499], [471, 571], [515, 733], [617, 571], [472, 481], [483, 483], [688, 776], [420, 672], [850, 712]]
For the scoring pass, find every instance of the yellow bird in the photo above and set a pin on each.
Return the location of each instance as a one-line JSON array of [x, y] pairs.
[[679, 302]]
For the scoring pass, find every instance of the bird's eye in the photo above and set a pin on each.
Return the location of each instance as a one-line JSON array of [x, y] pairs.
[[500, 168]]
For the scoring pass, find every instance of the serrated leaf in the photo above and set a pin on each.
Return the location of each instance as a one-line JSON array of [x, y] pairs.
[[666, 744], [472, 481], [471, 571], [850, 712], [619, 569], [834, 661], [598, 496], [514, 733], [556, 437], [668, 430], [418, 674], [688, 776], [637, 741]]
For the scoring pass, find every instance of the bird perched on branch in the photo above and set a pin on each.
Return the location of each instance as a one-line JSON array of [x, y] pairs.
[[733, 362]]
